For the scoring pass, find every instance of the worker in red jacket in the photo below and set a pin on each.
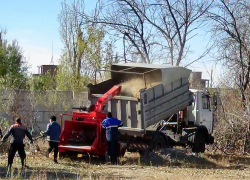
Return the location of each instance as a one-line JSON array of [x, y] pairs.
[[18, 132], [111, 129]]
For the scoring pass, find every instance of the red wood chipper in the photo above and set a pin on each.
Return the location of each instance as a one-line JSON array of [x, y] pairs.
[[83, 134]]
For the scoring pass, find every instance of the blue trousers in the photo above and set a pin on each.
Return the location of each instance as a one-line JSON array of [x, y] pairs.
[[113, 150]]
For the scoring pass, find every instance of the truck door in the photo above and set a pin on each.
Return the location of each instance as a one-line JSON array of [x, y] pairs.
[[206, 113], [192, 110]]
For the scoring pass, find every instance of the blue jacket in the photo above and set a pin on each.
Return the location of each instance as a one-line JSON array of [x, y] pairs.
[[111, 128], [53, 131]]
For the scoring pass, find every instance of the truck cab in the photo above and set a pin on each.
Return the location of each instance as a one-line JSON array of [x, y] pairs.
[[200, 112]]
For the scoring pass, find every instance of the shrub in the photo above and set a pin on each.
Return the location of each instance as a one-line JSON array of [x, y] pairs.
[[4, 124]]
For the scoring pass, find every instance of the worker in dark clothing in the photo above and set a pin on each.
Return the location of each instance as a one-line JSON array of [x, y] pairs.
[[53, 133], [111, 130], [18, 132]]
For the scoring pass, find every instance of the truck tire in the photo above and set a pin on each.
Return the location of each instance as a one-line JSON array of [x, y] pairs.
[[199, 143], [159, 144]]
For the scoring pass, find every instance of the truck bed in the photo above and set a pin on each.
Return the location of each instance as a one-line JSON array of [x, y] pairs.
[[154, 104]]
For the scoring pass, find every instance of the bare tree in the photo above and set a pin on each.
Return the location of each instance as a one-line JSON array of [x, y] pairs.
[[71, 32], [232, 33], [153, 27], [84, 43], [176, 21], [124, 21]]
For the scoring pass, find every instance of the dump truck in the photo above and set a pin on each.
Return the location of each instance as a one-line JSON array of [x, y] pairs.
[[156, 106]]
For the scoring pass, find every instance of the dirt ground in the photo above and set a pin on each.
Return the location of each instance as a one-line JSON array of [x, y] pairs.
[[167, 164]]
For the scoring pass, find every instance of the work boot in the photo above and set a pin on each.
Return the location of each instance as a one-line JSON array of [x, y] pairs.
[[55, 161], [114, 160]]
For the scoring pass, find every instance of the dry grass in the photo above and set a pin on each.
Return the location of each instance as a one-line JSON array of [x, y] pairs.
[[167, 164]]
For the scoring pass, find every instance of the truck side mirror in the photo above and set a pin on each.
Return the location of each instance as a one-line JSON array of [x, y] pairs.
[[215, 102]]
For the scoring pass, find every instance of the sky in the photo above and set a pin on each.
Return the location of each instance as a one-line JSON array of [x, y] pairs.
[[34, 24]]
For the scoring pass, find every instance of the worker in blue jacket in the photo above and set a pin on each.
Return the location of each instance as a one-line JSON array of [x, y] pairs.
[[111, 130], [53, 133]]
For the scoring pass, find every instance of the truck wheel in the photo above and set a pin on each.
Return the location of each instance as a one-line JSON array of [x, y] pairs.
[[159, 144], [199, 144]]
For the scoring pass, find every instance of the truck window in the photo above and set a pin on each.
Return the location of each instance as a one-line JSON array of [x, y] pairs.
[[205, 102]]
